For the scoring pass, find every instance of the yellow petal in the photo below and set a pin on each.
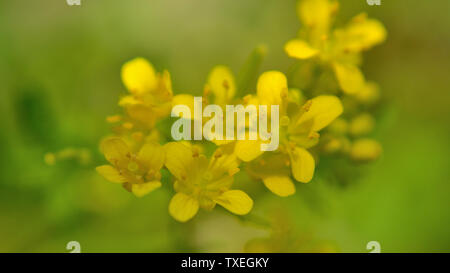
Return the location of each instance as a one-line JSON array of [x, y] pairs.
[[280, 185], [142, 189], [138, 75], [221, 82], [302, 164], [111, 174], [179, 159], [182, 207], [152, 155], [316, 14], [300, 49], [349, 77], [116, 151], [236, 201], [272, 85], [321, 112], [247, 150]]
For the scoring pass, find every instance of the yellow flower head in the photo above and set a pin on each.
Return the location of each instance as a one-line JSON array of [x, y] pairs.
[[360, 34], [134, 134], [338, 49], [299, 129], [220, 89], [150, 93], [200, 182], [271, 89], [138, 172], [138, 76]]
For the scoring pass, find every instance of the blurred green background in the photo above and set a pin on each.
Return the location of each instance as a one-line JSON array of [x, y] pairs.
[[59, 79]]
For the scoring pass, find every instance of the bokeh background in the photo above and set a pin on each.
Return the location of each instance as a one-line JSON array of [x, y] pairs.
[[59, 79]]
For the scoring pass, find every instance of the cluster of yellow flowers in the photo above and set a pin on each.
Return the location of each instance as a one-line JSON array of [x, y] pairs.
[[335, 55], [138, 151]]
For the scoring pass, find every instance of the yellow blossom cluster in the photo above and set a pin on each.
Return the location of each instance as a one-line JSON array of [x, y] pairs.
[[139, 151], [334, 55]]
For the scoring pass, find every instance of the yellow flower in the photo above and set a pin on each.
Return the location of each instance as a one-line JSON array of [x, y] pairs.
[[138, 172], [219, 89], [317, 17], [299, 127], [339, 49], [150, 93], [200, 182], [138, 76], [271, 89], [221, 85], [135, 135]]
